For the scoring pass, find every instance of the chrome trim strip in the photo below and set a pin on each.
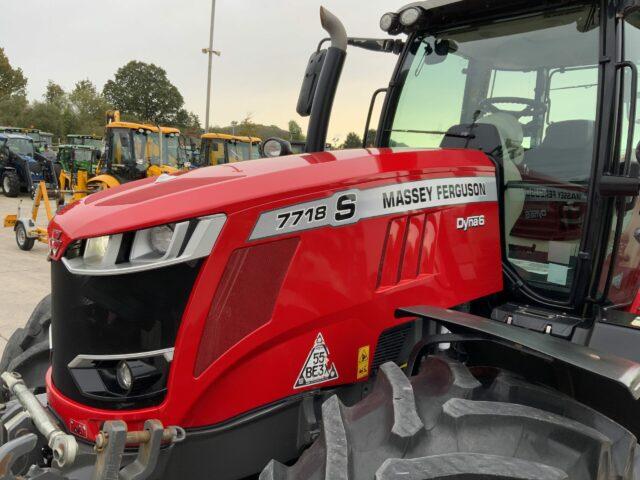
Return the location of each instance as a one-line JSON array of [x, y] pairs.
[[86, 360], [200, 245]]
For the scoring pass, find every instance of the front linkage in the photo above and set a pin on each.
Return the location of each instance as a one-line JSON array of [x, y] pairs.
[[28, 425]]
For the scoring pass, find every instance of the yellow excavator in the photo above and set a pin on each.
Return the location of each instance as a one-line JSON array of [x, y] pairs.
[[134, 151], [220, 148]]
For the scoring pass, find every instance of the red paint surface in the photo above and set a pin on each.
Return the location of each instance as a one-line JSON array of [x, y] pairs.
[[332, 282]]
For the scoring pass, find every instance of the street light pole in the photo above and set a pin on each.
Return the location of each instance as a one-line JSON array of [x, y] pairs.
[[210, 51]]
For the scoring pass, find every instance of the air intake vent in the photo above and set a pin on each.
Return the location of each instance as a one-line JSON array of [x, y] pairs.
[[390, 345]]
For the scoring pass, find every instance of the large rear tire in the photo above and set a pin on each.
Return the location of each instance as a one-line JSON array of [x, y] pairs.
[[27, 351], [444, 423]]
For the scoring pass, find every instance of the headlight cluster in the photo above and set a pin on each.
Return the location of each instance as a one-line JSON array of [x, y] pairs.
[[407, 19], [146, 249]]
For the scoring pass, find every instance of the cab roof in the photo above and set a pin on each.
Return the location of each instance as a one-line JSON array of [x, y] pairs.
[[89, 137], [15, 135], [132, 126], [168, 130], [226, 136], [76, 147]]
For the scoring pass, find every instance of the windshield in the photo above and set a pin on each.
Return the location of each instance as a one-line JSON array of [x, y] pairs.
[[93, 143], [82, 156], [239, 151], [21, 146], [146, 147], [171, 151], [34, 135], [533, 82]]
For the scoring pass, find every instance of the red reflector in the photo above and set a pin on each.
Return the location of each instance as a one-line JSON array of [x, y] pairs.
[[245, 298]]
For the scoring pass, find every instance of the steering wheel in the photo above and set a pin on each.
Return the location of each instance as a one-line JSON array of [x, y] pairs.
[[532, 108]]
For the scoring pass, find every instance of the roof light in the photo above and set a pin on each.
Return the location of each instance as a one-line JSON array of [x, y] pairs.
[[387, 21], [410, 16]]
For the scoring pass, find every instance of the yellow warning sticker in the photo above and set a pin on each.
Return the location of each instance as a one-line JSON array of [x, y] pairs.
[[363, 362]]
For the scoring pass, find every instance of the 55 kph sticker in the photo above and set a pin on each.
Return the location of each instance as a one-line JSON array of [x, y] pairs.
[[351, 206]]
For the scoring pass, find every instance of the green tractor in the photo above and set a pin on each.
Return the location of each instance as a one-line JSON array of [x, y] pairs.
[[73, 159], [93, 141]]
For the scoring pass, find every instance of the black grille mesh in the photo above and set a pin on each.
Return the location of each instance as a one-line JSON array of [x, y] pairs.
[[390, 345]]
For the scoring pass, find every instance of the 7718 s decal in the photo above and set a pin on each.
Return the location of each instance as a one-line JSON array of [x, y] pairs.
[[351, 206]]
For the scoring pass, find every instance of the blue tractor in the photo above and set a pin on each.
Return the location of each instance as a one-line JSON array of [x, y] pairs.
[[22, 168]]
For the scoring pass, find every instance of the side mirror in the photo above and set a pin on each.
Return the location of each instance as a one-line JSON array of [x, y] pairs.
[[310, 82], [276, 147]]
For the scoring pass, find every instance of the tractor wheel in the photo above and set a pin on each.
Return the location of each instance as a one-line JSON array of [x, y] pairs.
[[10, 184], [27, 351], [22, 238], [444, 423]]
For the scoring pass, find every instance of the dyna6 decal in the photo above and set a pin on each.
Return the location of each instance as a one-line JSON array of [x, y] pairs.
[[351, 206]]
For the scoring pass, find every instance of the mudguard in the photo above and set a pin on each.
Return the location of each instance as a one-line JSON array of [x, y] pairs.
[[108, 180]]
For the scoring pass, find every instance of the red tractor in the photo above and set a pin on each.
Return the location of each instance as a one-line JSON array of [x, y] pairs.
[[388, 313]]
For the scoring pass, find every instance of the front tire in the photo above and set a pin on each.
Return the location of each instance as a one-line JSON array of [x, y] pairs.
[[27, 351], [23, 240], [10, 184], [444, 423]]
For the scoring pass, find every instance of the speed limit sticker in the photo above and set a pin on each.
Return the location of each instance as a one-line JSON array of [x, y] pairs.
[[318, 367]]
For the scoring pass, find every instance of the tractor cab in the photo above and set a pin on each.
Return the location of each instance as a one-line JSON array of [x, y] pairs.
[[132, 152], [93, 141], [220, 148], [22, 167], [173, 151], [548, 92], [74, 157], [40, 138]]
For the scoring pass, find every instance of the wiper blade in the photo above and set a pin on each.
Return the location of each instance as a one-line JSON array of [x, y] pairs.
[[436, 132]]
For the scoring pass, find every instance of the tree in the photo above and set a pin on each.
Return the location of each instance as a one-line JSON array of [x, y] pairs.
[[55, 94], [12, 80], [247, 127], [89, 107], [371, 137], [353, 140], [144, 91], [295, 131], [188, 122]]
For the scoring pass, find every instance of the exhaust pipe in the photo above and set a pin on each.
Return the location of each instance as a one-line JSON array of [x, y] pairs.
[[327, 82], [64, 447]]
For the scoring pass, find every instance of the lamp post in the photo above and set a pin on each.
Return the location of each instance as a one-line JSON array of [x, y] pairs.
[[210, 51]]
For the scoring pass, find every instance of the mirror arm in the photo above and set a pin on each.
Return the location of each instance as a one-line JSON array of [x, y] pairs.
[[371, 105], [385, 45]]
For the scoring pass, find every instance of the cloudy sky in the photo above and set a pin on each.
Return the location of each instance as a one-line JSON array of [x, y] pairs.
[[265, 46]]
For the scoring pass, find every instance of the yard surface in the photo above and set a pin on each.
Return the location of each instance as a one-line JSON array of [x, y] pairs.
[[25, 275]]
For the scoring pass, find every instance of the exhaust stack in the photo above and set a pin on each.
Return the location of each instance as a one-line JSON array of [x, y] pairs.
[[327, 82]]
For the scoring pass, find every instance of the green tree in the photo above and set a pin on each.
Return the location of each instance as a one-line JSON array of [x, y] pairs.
[[55, 94], [247, 127], [88, 107], [187, 122], [353, 140], [144, 91], [371, 137], [12, 80], [295, 131]]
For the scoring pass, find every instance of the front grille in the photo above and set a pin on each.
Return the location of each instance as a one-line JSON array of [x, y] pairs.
[[115, 315]]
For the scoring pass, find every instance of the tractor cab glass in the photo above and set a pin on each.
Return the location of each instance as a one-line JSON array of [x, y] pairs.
[[531, 83], [172, 150], [146, 146], [239, 151], [213, 151], [122, 147], [22, 146]]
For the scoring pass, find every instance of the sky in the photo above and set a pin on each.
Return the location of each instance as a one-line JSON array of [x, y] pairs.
[[265, 46]]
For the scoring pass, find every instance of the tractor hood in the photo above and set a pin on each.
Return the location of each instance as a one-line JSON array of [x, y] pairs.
[[234, 187]]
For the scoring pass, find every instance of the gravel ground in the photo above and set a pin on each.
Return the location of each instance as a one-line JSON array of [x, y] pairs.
[[25, 275]]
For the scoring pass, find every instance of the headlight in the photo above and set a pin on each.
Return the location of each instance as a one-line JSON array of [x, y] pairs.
[[410, 16], [96, 249], [160, 238], [272, 149], [124, 376], [147, 249], [387, 21]]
